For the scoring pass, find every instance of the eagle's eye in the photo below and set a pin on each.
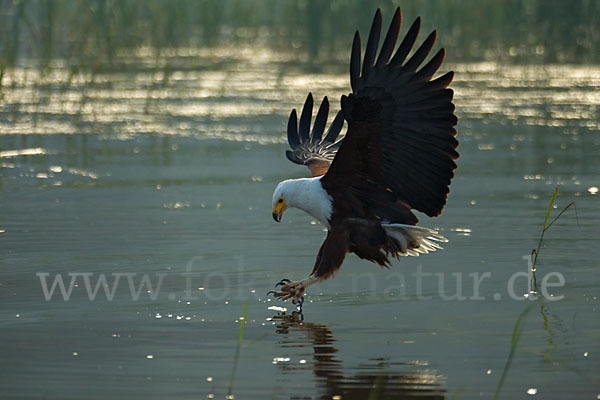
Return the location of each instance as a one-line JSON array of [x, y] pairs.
[[280, 200]]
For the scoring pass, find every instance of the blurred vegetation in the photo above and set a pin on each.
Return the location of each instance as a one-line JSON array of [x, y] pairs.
[[90, 35]]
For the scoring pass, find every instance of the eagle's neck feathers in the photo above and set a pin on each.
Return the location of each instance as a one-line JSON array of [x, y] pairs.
[[308, 195]]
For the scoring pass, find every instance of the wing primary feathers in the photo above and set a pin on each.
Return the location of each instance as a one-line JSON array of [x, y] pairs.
[[308, 147], [320, 122], [407, 146], [390, 39], [292, 130], [335, 128], [372, 44], [431, 67], [440, 83], [421, 53], [435, 94], [407, 43], [305, 118], [334, 146], [355, 62], [292, 157]]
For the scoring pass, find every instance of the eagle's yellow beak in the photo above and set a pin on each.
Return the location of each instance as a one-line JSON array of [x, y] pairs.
[[279, 209]]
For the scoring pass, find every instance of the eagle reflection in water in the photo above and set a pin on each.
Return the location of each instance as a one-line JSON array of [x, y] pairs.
[[379, 378]]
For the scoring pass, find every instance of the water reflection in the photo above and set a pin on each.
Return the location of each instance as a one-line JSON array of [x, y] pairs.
[[90, 37], [377, 378]]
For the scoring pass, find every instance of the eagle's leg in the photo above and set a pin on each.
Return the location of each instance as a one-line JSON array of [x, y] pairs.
[[330, 258], [293, 290]]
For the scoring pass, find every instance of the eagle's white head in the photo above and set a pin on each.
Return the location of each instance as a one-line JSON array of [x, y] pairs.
[[306, 194]]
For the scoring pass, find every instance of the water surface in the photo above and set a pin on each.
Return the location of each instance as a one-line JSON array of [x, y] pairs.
[[131, 173]]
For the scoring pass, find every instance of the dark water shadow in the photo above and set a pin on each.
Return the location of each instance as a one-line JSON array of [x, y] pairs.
[[377, 378]]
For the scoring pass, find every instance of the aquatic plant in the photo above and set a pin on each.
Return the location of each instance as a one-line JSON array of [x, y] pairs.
[[514, 340], [236, 357], [535, 252], [518, 327]]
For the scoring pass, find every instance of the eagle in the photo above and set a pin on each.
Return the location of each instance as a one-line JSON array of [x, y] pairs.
[[398, 154]]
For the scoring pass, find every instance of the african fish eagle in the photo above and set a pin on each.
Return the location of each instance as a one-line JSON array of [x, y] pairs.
[[397, 155]]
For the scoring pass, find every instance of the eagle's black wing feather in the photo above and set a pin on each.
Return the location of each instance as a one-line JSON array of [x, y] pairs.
[[401, 124], [310, 147]]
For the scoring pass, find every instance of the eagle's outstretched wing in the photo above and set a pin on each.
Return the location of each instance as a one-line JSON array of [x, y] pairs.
[[401, 131], [397, 155], [310, 147]]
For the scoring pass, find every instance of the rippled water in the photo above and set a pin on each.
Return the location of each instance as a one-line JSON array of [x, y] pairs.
[[133, 173]]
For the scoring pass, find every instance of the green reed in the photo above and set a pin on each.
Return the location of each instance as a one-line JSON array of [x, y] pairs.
[[514, 340], [533, 289], [236, 357], [536, 252]]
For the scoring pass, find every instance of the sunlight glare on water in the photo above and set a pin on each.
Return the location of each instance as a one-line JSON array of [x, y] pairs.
[[141, 172]]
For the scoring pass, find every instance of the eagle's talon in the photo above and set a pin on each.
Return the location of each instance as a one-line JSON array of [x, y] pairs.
[[289, 290], [282, 282], [275, 294]]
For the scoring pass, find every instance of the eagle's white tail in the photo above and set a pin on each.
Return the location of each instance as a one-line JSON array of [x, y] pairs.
[[414, 240]]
